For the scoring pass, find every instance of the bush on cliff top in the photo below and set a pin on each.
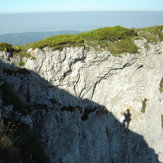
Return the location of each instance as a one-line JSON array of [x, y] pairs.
[[109, 34], [115, 39], [152, 34], [5, 46], [14, 50], [60, 41]]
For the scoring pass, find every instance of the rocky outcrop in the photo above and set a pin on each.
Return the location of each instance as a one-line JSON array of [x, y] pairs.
[[90, 106]]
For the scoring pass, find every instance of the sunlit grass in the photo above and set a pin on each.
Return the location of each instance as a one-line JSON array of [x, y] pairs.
[[151, 34], [117, 40], [59, 42]]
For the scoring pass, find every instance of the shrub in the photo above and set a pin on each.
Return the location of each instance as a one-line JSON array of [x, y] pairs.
[[59, 42], [152, 34], [109, 33], [16, 48], [116, 39], [16, 51], [123, 46], [21, 53], [5, 47]]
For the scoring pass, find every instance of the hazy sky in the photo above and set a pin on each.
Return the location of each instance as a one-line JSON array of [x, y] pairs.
[[81, 21], [18, 16], [19, 6]]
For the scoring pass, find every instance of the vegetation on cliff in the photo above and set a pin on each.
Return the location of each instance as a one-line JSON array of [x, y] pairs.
[[18, 143], [5, 46], [59, 42], [116, 39], [151, 34]]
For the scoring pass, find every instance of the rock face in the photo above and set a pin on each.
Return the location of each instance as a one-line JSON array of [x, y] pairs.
[[90, 106]]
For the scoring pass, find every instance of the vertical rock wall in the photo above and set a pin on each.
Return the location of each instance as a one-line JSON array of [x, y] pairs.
[[92, 106]]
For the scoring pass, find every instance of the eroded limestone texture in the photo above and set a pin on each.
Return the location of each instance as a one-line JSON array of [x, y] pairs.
[[78, 100]]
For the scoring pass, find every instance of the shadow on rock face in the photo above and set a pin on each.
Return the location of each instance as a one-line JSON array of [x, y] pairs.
[[75, 130]]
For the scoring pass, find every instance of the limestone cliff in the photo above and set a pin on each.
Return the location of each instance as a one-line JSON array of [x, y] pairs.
[[89, 106]]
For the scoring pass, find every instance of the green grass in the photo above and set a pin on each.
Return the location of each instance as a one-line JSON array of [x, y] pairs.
[[5, 46], [115, 39], [21, 51], [108, 34], [151, 34], [143, 110], [122, 46], [21, 63], [59, 42], [118, 40], [22, 54]]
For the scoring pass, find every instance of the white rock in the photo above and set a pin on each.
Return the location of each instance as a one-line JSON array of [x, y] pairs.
[[75, 77]]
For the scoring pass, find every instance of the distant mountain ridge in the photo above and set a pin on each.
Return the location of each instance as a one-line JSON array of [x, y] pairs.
[[29, 37]]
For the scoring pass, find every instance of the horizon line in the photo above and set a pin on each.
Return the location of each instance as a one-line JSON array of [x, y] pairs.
[[73, 30], [39, 12]]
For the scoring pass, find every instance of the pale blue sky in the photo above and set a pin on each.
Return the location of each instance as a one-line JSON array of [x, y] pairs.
[[53, 15], [19, 6]]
